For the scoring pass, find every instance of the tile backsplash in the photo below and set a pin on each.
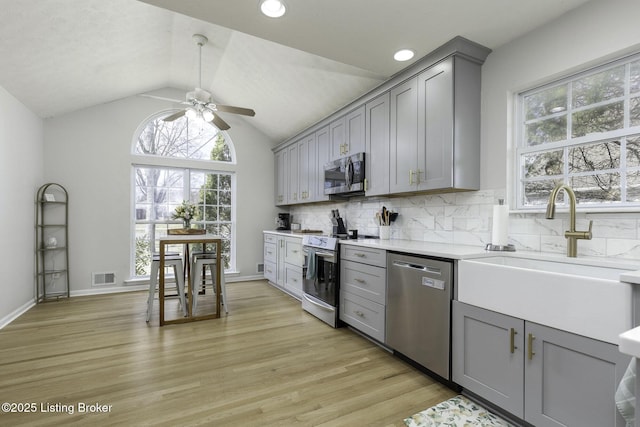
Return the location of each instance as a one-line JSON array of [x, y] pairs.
[[466, 218]]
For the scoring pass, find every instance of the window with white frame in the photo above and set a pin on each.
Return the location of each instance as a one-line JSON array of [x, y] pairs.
[[181, 161], [583, 131]]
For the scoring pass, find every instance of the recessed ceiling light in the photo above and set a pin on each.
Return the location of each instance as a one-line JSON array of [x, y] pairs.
[[403, 55], [273, 8]]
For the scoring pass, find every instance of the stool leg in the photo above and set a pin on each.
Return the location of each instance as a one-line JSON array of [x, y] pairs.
[[223, 291], [195, 284], [178, 274], [153, 277]]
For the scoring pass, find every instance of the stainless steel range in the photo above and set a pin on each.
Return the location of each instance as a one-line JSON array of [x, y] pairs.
[[320, 290]]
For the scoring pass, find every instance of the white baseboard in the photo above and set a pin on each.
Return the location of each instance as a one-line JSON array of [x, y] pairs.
[[16, 313]]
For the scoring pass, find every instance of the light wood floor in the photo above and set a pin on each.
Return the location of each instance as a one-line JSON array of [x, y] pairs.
[[266, 363]]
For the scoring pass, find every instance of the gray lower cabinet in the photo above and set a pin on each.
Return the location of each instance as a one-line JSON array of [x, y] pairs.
[[363, 284], [545, 376], [283, 261]]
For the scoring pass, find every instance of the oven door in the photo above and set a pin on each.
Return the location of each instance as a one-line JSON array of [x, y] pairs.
[[323, 285]]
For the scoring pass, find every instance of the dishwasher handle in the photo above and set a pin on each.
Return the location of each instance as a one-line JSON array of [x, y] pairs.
[[419, 267]]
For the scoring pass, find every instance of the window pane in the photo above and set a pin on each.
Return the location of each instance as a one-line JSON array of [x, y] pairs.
[[183, 138], [634, 84], [633, 187], [601, 188], [599, 119], [633, 151], [536, 193], [634, 111], [594, 157], [543, 164], [549, 130], [549, 101], [598, 87]]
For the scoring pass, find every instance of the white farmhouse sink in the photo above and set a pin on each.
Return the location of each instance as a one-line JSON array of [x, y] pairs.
[[577, 297]]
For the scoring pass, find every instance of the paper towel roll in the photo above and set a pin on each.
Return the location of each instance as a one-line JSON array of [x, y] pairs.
[[500, 230]]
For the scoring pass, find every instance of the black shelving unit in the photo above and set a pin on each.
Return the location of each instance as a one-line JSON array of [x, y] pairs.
[[52, 243]]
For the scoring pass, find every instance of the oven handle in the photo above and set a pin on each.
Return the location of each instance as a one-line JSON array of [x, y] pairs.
[[321, 254], [323, 306]]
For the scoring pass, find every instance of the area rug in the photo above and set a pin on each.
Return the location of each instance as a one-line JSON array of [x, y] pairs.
[[456, 412]]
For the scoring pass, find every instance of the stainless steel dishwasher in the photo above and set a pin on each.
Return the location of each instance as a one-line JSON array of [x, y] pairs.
[[419, 291]]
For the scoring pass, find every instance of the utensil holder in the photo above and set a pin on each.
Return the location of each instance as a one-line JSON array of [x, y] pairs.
[[385, 232]]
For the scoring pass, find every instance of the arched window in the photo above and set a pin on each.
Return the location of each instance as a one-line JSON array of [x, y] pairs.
[[173, 162]]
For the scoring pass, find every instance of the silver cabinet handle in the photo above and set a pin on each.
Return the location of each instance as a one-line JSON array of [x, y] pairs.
[[360, 254], [359, 313], [360, 280]]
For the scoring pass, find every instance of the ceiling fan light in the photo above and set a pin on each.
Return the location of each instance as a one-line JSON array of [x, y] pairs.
[[273, 8], [191, 113], [207, 115]]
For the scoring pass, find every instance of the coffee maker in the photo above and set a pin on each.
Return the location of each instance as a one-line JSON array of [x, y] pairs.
[[283, 221]]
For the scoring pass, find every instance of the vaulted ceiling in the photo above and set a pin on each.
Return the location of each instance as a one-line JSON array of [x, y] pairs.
[[58, 56]]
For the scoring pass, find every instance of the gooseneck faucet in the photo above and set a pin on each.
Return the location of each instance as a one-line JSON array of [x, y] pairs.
[[571, 235]]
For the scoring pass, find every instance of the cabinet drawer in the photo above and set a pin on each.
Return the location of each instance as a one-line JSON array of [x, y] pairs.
[[270, 252], [364, 315], [270, 271], [293, 280], [365, 255], [293, 251], [270, 238], [364, 280]]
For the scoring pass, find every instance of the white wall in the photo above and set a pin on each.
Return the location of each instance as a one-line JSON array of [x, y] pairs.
[[21, 136], [89, 152]]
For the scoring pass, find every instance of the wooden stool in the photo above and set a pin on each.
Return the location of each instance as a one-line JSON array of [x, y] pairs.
[[170, 259]]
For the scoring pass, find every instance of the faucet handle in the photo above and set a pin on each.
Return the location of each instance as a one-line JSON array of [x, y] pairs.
[[588, 233]]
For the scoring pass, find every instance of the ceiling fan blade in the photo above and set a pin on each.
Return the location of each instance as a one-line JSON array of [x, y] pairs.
[[219, 123], [174, 116], [236, 110], [161, 98]]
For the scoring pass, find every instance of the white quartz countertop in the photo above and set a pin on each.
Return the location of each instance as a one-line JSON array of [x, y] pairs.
[[630, 342]]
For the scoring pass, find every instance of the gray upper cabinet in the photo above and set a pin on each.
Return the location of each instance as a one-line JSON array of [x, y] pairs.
[[377, 146], [435, 129], [347, 134], [282, 175], [307, 168], [403, 136], [323, 148], [548, 377], [292, 177], [420, 131]]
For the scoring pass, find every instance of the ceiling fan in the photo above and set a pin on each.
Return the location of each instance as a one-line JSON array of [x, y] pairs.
[[199, 102]]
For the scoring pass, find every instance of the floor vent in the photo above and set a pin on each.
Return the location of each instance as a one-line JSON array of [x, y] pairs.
[[261, 268], [101, 279]]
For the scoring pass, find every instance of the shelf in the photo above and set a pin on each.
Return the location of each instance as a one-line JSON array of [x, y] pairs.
[[52, 219]]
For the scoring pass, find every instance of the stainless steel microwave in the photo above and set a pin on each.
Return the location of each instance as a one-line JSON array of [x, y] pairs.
[[345, 175]]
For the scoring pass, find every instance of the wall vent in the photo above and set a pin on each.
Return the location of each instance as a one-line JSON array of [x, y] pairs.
[[102, 279], [260, 268]]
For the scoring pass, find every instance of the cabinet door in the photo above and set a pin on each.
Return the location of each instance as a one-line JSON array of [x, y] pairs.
[[307, 168], [377, 146], [403, 138], [323, 151], [355, 131], [282, 172], [293, 251], [487, 355], [571, 380], [280, 272], [337, 135], [435, 127], [293, 280], [292, 176]]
